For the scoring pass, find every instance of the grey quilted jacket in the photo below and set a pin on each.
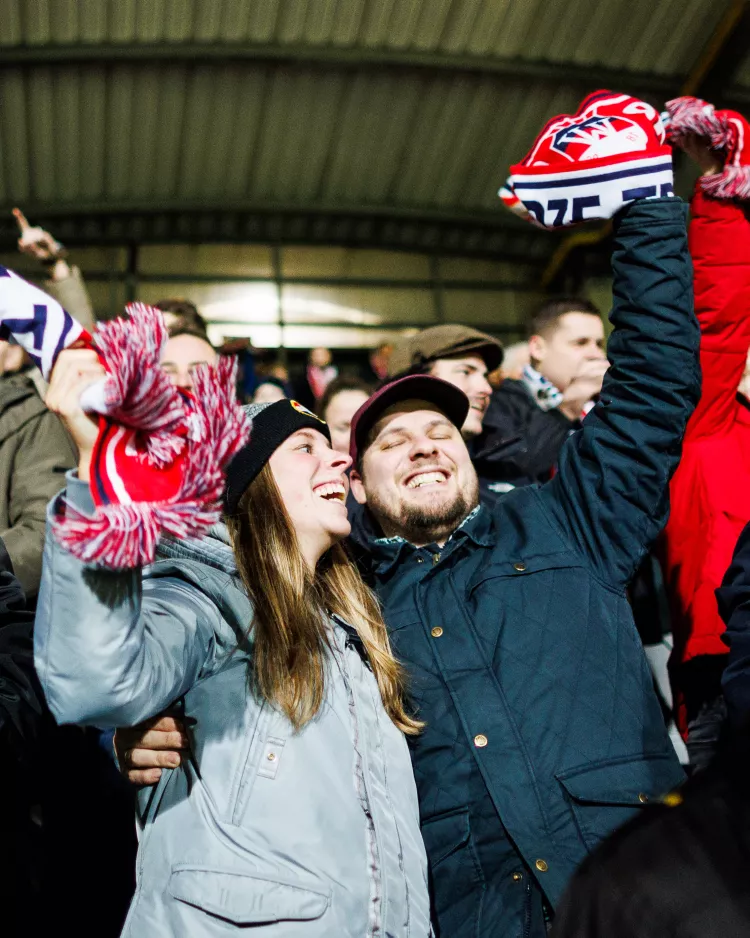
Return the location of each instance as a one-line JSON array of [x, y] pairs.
[[314, 833]]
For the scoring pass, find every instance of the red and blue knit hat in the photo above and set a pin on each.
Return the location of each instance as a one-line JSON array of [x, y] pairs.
[[587, 165]]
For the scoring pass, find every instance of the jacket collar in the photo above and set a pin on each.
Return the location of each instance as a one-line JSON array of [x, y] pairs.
[[214, 549], [476, 527]]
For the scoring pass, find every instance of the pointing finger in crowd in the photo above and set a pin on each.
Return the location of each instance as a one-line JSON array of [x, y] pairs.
[[21, 219]]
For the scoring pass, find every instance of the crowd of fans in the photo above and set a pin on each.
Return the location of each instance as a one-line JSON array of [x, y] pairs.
[[594, 441]]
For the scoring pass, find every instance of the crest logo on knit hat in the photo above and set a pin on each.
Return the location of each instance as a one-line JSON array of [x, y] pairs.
[[599, 135], [303, 410], [587, 165]]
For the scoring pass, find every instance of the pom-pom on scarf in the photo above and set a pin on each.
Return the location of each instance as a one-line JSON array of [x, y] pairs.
[[158, 463]]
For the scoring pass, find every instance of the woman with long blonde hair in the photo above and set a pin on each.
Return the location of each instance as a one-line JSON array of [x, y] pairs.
[[295, 812]]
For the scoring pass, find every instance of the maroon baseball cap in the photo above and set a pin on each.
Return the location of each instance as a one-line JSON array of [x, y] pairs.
[[445, 396]]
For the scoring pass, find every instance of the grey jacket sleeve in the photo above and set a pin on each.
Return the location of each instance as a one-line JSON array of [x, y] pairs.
[[110, 648], [72, 295]]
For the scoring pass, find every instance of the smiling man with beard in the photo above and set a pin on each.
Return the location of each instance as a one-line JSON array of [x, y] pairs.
[[423, 496], [543, 732]]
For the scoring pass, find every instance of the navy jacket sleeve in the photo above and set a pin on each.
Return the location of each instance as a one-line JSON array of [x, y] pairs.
[[20, 694], [734, 607], [610, 496]]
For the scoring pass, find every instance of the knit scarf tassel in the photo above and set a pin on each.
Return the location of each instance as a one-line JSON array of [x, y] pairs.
[[140, 394], [726, 130], [200, 434]]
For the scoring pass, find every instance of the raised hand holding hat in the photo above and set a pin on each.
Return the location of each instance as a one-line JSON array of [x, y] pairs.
[[588, 165]]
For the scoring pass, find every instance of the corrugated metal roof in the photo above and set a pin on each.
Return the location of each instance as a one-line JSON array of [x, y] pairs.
[[108, 135], [145, 134], [663, 36]]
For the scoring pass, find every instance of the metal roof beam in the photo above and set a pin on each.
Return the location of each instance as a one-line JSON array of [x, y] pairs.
[[727, 48], [118, 224], [562, 73]]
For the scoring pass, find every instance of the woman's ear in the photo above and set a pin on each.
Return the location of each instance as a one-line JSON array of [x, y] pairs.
[[357, 486]]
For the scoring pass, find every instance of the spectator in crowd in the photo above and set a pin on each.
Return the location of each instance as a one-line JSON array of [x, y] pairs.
[[55, 849], [186, 348], [378, 363], [576, 541], [35, 453], [269, 390], [64, 282], [340, 402], [182, 315], [529, 419], [681, 869], [275, 643], [20, 724], [515, 359], [513, 623], [319, 373], [464, 357], [247, 375], [709, 493], [458, 354]]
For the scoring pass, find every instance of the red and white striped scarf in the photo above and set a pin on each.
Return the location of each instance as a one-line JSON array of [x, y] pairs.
[[158, 462]]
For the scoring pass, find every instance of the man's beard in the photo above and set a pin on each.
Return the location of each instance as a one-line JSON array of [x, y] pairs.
[[424, 524]]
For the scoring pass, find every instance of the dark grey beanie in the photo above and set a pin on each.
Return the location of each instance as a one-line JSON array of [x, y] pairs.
[[271, 425]]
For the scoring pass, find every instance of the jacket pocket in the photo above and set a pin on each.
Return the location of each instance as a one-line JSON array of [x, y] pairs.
[[604, 795], [246, 900], [456, 878], [522, 566]]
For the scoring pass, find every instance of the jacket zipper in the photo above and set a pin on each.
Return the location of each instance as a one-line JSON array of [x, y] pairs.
[[527, 911]]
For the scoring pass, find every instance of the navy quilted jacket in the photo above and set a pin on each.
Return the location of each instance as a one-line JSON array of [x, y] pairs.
[[543, 732]]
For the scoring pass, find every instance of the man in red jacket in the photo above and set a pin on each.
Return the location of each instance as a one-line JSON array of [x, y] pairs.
[[710, 492]]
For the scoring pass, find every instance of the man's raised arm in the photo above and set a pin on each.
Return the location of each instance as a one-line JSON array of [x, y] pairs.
[[611, 494]]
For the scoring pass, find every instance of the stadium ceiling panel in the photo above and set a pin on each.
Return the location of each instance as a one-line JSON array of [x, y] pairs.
[[386, 123]]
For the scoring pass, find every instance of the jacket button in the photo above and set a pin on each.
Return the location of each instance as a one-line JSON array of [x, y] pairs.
[[435, 559], [480, 741], [643, 798], [517, 877], [420, 559], [436, 632], [542, 866], [520, 566]]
